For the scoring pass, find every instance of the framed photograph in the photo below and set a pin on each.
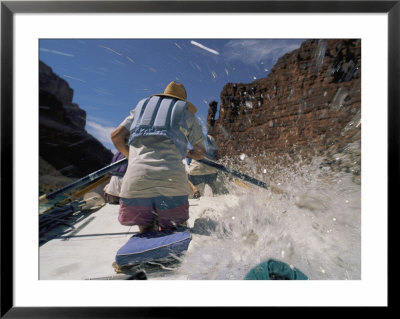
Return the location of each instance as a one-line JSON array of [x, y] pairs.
[[265, 79]]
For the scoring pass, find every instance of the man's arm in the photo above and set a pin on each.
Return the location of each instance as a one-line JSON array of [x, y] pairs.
[[118, 137], [198, 152]]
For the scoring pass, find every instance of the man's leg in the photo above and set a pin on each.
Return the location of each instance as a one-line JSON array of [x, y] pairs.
[[137, 211]]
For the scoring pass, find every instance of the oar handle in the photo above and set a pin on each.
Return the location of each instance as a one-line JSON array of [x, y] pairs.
[[245, 177]]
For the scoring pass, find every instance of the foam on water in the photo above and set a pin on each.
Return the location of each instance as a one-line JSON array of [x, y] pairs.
[[314, 225]]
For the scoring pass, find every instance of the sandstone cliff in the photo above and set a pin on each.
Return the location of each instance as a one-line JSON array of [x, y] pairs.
[[308, 105], [66, 150]]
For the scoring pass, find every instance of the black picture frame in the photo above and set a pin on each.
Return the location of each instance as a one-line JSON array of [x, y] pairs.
[[9, 8]]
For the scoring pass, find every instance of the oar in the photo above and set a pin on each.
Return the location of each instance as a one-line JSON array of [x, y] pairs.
[[242, 176], [80, 182], [82, 192]]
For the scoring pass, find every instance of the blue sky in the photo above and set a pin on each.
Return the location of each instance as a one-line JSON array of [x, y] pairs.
[[109, 76]]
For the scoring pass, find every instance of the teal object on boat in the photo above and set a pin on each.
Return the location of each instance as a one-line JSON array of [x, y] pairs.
[[275, 270]]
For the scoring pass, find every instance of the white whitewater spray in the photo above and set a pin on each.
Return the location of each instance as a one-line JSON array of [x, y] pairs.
[[313, 225]]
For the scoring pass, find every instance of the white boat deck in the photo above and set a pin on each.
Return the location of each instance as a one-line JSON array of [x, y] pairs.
[[88, 252]]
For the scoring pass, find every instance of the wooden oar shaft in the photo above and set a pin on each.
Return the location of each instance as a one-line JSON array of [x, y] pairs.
[[82, 192], [82, 181], [90, 187]]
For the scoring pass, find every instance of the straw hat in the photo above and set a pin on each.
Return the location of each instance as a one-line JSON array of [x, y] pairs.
[[177, 90]]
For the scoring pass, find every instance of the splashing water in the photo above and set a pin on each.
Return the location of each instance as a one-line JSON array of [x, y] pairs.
[[313, 225]]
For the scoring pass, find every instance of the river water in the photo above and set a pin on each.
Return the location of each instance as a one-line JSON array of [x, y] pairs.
[[312, 223]]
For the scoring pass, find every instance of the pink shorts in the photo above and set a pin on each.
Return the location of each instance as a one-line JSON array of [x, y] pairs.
[[167, 212]]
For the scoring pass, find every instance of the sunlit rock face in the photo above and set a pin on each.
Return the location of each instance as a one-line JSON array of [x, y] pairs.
[[63, 141], [309, 104]]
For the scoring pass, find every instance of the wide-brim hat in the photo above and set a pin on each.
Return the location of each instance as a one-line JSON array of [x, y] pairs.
[[178, 91]]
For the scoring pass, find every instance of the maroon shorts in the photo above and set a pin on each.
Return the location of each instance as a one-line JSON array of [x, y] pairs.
[[167, 212]]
